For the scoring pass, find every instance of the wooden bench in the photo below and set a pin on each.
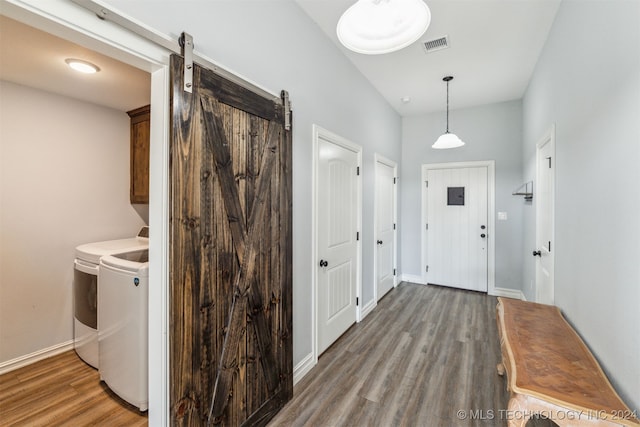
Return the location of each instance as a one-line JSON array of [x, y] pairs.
[[551, 372]]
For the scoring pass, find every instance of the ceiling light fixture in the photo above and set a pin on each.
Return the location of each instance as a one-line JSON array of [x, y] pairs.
[[374, 27], [447, 139], [82, 66]]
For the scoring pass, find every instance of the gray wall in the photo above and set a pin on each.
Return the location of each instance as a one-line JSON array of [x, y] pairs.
[[276, 44], [491, 132], [64, 181], [587, 81]]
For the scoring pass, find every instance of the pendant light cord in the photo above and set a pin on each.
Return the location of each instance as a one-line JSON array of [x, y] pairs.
[[447, 106]]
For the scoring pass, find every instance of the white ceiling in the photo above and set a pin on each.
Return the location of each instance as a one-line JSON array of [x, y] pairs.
[[494, 46], [34, 58]]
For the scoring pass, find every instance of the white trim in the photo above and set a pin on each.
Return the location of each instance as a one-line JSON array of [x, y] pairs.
[[159, 300], [303, 367], [491, 208], [508, 293], [412, 278], [79, 25], [549, 137], [28, 359], [318, 132], [377, 158], [368, 308]]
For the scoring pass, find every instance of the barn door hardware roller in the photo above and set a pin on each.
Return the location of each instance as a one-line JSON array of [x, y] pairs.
[[186, 43], [287, 109]]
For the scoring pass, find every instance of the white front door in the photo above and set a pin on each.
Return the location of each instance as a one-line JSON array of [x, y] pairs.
[[385, 226], [544, 199], [457, 227], [337, 222]]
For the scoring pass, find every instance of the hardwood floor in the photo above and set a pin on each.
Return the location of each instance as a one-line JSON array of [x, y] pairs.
[[62, 391], [424, 353]]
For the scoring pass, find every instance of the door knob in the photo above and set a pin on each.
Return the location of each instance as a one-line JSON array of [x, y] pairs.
[[483, 235], [537, 253], [379, 242], [483, 227], [323, 263]]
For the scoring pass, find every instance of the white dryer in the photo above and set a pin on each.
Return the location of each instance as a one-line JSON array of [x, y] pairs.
[[85, 290], [123, 307]]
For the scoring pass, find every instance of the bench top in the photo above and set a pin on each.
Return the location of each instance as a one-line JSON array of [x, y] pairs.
[[550, 361]]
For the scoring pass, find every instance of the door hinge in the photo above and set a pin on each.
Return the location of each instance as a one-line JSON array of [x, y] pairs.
[[427, 268], [358, 170], [426, 226], [549, 158], [394, 226], [357, 301], [427, 183], [394, 271], [394, 179], [287, 109], [549, 245], [357, 235], [186, 43]]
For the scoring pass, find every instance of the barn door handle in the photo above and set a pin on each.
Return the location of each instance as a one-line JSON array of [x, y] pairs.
[[323, 263], [379, 242], [537, 253]]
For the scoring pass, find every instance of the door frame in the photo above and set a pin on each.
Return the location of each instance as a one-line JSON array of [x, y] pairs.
[[317, 133], [127, 41], [549, 137], [379, 159], [491, 208], [77, 24]]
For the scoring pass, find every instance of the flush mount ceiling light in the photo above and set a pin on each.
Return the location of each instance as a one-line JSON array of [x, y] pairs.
[[374, 27], [447, 139], [82, 66]]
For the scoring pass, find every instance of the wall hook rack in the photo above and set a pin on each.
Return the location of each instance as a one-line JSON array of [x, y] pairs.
[[525, 190]]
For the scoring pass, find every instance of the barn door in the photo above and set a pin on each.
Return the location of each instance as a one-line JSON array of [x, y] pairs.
[[230, 359]]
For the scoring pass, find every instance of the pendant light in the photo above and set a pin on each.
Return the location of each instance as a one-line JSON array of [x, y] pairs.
[[374, 27], [447, 139]]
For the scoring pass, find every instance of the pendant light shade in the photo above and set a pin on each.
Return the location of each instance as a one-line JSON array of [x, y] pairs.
[[447, 139], [381, 26]]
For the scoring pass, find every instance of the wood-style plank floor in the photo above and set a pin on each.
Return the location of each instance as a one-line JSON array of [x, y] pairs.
[[424, 353], [62, 391]]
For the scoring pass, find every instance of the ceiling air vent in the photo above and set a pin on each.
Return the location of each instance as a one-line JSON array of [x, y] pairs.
[[436, 44]]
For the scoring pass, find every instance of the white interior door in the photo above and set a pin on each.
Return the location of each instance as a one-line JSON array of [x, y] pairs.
[[337, 210], [544, 198], [385, 227], [457, 227]]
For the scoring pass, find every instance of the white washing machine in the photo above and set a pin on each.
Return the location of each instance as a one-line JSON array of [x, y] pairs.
[[85, 290], [123, 295]]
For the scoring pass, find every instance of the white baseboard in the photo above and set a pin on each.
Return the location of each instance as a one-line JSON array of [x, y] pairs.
[[28, 359], [508, 293], [303, 367], [412, 278], [368, 309]]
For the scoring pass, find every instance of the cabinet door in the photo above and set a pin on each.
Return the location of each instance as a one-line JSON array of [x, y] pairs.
[[140, 132]]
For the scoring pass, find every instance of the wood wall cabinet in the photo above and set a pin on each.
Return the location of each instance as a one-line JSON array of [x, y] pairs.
[[139, 157]]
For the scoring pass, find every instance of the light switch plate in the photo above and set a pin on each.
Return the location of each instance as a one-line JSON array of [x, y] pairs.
[[502, 216]]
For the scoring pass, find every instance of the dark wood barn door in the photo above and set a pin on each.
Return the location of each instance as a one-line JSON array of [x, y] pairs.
[[230, 255]]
